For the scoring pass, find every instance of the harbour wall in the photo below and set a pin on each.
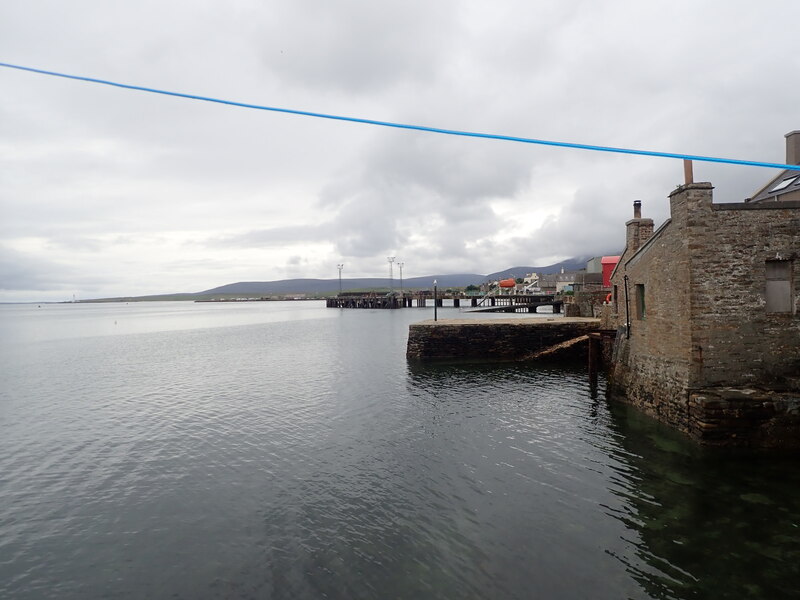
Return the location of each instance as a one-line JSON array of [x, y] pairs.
[[498, 340], [756, 418]]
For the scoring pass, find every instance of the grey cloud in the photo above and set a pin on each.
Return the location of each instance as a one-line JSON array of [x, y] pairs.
[[593, 221], [465, 170], [365, 226], [353, 46], [273, 237], [24, 271], [405, 185], [85, 165], [75, 243]]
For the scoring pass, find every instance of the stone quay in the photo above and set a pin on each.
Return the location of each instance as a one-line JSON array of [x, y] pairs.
[[497, 340]]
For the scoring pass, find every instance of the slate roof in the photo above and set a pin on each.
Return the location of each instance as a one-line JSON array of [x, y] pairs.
[[788, 182]]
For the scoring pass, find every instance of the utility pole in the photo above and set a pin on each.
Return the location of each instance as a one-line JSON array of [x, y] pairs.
[[401, 276], [391, 273]]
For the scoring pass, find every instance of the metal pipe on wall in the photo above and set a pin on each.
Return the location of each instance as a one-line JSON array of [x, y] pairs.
[[627, 310]]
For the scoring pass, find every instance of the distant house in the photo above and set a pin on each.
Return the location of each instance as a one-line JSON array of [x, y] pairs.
[[547, 283], [530, 278], [530, 284], [554, 283], [707, 311], [784, 187], [585, 281]]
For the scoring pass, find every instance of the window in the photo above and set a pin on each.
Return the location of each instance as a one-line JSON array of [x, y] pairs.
[[779, 286], [639, 297], [784, 184]]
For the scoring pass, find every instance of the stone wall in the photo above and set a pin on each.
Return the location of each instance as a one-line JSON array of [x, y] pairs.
[[491, 340], [589, 303], [657, 385], [738, 341], [695, 315], [748, 417], [651, 365]]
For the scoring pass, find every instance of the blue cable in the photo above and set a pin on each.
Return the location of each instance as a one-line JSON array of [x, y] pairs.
[[490, 136]]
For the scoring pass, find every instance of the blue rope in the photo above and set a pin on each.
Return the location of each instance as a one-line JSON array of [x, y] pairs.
[[490, 136]]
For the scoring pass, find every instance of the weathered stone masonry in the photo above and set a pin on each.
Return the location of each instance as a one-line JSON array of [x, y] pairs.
[[702, 352], [495, 340]]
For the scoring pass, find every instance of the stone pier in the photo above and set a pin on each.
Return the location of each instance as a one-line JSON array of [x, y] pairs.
[[494, 339]]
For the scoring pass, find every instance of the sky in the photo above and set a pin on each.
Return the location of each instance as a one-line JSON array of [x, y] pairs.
[[108, 192]]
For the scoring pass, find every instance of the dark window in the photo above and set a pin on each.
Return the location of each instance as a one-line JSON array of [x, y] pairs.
[[640, 306], [779, 286]]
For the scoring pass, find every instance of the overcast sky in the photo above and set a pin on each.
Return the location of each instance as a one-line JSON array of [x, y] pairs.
[[107, 192]]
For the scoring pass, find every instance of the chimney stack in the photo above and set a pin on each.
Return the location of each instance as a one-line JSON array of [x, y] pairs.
[[688, 172], [638, 230], [793, 148]]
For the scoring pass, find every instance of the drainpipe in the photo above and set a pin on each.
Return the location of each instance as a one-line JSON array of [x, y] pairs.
[[627, 311]]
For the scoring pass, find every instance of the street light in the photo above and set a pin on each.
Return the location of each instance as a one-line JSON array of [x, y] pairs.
[[340, 267], [435, 302], [391, 274]]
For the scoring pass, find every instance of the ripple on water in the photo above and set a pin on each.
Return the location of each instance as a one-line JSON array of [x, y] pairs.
[[305, 458]]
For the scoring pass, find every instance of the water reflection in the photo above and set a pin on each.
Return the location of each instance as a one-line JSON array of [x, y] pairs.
[[300, 456], [544, 442], [696, 522], [710, 524]]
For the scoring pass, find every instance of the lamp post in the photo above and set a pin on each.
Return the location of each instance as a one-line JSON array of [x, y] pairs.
[[340, 267], [435, 301], [391, 274], [401, 277]]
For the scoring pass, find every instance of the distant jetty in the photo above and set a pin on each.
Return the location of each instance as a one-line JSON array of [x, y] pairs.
[[508, 303]]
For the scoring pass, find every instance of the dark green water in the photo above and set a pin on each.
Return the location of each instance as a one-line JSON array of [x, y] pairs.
[[286, 450]]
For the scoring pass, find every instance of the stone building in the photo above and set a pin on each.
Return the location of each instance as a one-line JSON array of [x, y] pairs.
[[555, 283], [786, 185], [707, 312], [587, 282], [594, 265]]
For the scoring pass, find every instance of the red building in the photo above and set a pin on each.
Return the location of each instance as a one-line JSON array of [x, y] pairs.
[[608, 262]]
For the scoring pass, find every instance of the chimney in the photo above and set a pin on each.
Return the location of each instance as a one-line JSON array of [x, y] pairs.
[[638, 230], [793, 148], [688, 172]]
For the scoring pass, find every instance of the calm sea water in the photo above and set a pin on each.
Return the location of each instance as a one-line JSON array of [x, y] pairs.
[[287, 450]]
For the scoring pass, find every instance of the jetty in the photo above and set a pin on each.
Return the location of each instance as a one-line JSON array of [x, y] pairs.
[[489, 303], [517, 303], [366, 301]]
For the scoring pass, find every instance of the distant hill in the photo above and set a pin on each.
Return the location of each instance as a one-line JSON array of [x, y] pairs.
[[323, 286], [572, 264], [288, 287]]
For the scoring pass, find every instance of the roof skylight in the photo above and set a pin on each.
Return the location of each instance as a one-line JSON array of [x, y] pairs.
[[784, 184]]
